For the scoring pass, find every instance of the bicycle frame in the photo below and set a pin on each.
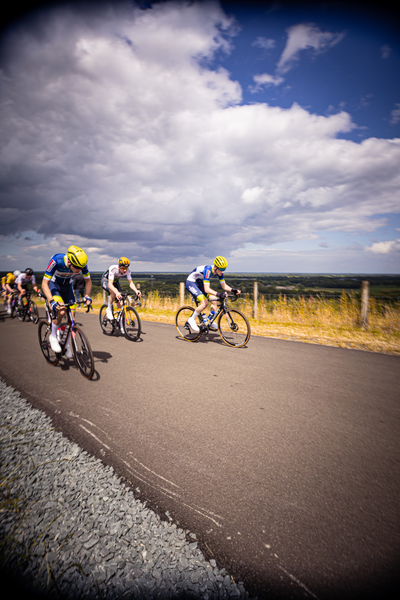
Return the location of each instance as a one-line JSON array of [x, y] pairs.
[[204, 327], [79, 345], [234, 330], [120, 311], [70, 320]]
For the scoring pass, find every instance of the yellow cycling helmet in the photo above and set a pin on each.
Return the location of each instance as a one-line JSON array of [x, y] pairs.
[[9, 274], [124, 262], [77, 257], [221, 263]]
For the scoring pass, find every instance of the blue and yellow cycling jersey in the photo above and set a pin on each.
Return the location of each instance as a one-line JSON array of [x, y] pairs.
[[58, 272], [204, 273]]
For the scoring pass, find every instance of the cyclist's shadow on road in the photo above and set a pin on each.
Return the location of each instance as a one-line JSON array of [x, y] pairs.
[[206, 338], [103, 357]]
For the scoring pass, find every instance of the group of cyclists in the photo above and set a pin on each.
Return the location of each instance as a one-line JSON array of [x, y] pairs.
[[16, 284], [58, 289]]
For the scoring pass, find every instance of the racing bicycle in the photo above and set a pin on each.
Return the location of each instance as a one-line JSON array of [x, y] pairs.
[[68, 331], [233, 325], [27, 309], [126, 319]]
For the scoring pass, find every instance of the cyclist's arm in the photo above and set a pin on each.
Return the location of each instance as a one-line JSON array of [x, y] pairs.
[[46, 290], [227, 288], [88, 287]]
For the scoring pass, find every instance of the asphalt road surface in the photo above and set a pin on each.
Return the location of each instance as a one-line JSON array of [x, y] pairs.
[[283, 457]]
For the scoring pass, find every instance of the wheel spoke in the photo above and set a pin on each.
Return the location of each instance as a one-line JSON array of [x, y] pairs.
[[44, 332], [234, 328], [182, 326], [82, 353], [131, 324], [106, 325]]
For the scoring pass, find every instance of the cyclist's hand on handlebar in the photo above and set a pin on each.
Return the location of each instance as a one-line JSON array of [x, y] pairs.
[[236, 292], [138, 294], [222, 295], [55, 305], [88, 300]]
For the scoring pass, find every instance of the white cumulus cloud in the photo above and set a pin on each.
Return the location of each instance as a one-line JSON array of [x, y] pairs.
[[387, 247], [265, 80], [302, 37]]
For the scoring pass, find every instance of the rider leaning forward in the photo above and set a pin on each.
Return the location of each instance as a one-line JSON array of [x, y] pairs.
[[198, 284], [22, 281], [57, 287], [110, 282], [9, 287]]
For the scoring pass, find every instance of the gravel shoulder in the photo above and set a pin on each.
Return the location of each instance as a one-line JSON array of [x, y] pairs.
[[70, 528]]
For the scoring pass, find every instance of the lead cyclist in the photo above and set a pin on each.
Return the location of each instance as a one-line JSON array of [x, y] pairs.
[[198, 285], [57, 287]]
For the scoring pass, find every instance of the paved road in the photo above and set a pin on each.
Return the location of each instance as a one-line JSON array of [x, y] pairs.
[[283, 457]]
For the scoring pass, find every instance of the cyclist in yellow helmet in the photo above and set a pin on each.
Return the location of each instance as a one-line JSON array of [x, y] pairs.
[[57, 286], [110, 282], [198, 285], [9, 288]]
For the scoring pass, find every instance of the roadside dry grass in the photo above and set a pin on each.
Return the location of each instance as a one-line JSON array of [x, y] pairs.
[[315, 320]]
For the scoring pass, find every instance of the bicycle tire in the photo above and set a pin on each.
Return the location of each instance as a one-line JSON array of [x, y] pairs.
[[107, 326], [44, 331], [234, 328], [131, 323], [82, 352], [181, 319], [33, 312]]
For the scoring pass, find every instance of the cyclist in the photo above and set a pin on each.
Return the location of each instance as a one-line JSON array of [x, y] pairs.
[[110, 283], [9, 288], [3, 286], [198, 284], [57, 287], [22, 281]]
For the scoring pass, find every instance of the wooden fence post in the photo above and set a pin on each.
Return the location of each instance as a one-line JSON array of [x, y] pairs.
[[181, 293], [255, 299], [104, 296], [364, 304]]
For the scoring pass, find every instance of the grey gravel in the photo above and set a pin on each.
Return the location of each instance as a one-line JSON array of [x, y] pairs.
[[69, 528]]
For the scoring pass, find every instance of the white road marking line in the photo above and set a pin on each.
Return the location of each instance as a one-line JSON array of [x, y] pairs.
[[298, 582], [96, 438], [156, 474]]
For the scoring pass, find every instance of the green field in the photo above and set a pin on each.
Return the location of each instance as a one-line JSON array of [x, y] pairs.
[[269, 284]]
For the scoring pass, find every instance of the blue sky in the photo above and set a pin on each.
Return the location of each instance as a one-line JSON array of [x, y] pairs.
[[356, 70], [172, 132]]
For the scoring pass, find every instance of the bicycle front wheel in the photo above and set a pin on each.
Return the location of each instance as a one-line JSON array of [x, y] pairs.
[[106, 325], [33, 312], [83, 354], [44, 332], [181, 324], [131, 324], [234, 328]]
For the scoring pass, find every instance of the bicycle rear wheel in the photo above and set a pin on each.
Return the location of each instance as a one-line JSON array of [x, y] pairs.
[[106, 325], [181, 324], [234, 328], [44, 331], [33, 312], [82, 351], [131, 324]]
